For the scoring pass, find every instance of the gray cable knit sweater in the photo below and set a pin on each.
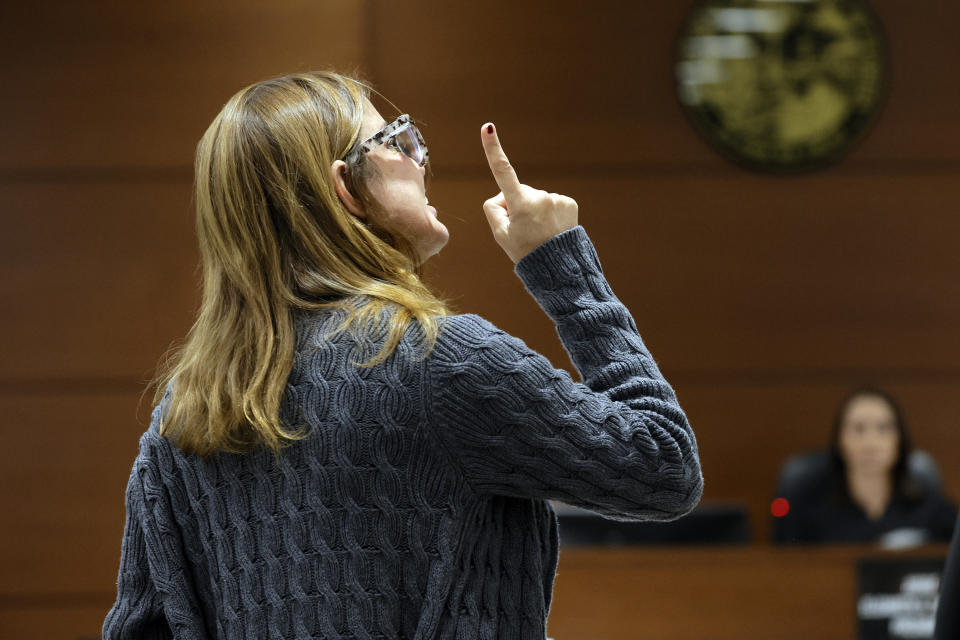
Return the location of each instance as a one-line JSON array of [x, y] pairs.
[[416, 507]]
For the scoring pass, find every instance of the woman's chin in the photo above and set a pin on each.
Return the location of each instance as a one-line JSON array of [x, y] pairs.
[[872, 468], [428, 251]]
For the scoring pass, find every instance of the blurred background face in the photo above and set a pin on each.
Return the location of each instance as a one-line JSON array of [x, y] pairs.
[[400, 194], [869, 439]]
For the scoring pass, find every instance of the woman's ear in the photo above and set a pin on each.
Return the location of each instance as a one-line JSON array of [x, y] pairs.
[[338, 172]]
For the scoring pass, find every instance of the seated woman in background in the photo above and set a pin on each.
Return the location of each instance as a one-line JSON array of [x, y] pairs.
[[865, 489]]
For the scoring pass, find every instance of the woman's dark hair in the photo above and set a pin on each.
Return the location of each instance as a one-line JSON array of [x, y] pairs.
[[903, 485]]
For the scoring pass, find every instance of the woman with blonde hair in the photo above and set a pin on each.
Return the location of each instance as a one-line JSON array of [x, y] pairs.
[[333, 453]]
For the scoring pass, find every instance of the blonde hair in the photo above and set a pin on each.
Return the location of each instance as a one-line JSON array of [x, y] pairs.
[[275, 239]]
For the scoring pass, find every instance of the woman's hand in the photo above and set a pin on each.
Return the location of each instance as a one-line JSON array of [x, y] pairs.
[[521, 217]]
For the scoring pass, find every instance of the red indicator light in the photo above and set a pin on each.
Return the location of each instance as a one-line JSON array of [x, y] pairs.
[[780, 507]]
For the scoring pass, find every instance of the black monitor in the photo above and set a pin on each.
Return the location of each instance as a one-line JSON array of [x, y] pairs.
[[711, 524]]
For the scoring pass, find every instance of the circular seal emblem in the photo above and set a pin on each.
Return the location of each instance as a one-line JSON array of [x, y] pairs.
[[782, 85]]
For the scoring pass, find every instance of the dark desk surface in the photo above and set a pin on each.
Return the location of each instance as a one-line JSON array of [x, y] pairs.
[[672, 593]]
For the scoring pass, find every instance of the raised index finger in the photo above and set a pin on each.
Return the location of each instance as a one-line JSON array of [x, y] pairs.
[[500, 166]]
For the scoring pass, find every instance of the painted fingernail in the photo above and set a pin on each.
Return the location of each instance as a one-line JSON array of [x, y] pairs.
[[489, 128]]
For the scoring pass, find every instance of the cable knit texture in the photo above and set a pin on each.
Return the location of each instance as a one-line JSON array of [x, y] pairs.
[[416, 507]]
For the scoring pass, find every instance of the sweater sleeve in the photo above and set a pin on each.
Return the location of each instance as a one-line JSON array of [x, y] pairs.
[[618, 443], [138, 610]]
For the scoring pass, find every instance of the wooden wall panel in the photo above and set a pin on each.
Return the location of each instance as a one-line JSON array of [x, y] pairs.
[[104, 85], [741, 274], [79, 619], [64, 468], [98, 278], [590, 86]]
